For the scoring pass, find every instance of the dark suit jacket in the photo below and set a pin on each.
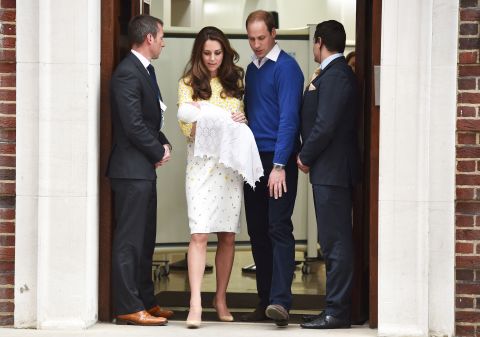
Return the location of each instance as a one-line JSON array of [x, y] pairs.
[[137, 140], [329, 127]]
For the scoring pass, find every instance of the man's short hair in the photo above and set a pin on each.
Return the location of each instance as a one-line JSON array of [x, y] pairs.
[[142, 25], [332, 34], [261, 15]]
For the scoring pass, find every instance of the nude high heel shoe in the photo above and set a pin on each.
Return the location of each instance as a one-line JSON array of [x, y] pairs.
[[194, 323], [223, 318]]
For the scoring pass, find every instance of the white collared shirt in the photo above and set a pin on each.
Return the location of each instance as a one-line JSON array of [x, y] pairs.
[[272, 55], [142, 59], [146, 63], [329, 59]]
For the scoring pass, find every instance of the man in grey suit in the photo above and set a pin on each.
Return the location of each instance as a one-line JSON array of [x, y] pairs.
[[330, 153], [138, 148]]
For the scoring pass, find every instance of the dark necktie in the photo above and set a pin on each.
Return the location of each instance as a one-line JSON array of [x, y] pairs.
[[151, 71], [153, 78]]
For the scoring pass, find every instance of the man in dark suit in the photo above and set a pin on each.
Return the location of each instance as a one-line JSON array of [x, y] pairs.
[[330, 153], [138, 148]]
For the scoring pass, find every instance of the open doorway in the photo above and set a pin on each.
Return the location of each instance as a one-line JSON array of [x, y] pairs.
[[115, 17]]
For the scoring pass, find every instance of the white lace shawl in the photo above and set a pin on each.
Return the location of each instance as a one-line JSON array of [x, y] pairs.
[[218, 136]]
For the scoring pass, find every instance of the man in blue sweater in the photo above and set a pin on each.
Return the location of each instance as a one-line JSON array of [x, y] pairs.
[[273, 96]]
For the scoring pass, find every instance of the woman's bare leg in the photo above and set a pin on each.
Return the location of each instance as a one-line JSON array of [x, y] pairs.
[[197, 252], [223, 263]]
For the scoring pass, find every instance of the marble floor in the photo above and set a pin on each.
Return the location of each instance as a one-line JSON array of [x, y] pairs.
[[240, 282]]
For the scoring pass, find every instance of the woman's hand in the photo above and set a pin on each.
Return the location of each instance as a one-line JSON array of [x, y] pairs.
[[239, 117]]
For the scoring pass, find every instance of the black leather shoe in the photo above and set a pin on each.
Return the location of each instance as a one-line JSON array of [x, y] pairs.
[[309, 318], [278, 313], [257, 315], [326, 322]]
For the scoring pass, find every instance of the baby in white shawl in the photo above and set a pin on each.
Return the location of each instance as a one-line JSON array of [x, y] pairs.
[[218, 136]]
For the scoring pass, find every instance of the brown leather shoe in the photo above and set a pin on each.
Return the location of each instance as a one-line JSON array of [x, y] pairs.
[[140, 318], [159, 312]]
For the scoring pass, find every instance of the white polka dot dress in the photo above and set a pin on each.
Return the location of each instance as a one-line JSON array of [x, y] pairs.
[[214, 192]]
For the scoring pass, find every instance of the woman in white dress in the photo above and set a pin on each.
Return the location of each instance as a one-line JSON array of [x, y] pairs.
[[214, 191]]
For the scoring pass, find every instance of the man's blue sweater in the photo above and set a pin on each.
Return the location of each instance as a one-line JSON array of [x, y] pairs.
[[273, 98]]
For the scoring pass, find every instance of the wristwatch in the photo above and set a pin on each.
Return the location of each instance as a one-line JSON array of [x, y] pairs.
[[278, 167]]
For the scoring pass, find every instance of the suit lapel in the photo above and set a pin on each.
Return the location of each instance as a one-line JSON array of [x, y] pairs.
[[144, 72]]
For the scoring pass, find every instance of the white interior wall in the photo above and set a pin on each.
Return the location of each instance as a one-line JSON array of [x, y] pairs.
[[181, 14], [232, 14], [58, 88]]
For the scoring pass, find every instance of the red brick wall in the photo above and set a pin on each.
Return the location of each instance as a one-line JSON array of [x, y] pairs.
[[467, 249], [7, 159]]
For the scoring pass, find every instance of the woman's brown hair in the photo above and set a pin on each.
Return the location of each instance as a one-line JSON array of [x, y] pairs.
[[197, 75]]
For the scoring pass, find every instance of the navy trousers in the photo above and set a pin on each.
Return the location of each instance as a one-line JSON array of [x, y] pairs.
[[270, 228], [333, 209], [133, 244]]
